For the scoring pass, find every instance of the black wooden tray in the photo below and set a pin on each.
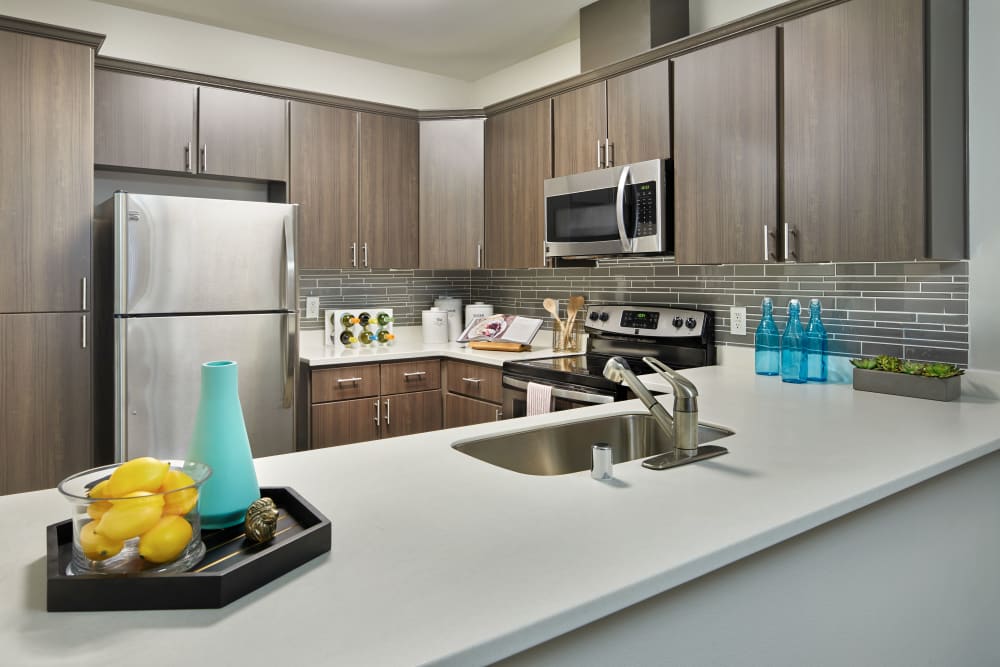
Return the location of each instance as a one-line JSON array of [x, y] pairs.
[[232, 567]]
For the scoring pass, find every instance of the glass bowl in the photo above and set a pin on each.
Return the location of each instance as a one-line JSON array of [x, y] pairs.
[[142, 532]]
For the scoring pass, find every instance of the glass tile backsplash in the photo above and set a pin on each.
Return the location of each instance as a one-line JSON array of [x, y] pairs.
[[916, 310]]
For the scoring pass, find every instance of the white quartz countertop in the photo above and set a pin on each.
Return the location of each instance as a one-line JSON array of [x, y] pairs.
[[440, 558], [410, 345]]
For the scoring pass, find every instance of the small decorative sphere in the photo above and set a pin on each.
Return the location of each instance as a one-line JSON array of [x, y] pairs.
[[261, 521]]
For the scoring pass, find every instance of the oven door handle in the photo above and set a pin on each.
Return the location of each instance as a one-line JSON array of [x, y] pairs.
[[620, 210], [567, 394]]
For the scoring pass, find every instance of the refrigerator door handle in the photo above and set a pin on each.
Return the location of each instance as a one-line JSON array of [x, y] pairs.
[[289, 356], [288, 274]]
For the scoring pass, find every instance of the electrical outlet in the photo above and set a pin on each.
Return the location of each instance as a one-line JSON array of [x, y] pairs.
[[738, 320], [312, 307]]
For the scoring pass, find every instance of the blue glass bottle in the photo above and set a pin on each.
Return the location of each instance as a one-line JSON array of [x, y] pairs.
[[793, 358], [816, 345], [767, 342]]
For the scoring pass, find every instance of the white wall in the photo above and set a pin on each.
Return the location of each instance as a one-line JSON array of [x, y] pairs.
[[170, 42], [705, 14], [554, 65], [984, 175]]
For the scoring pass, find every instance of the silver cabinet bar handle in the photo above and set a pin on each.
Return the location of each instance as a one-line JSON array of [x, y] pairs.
[[473, 380], [187, 157], [609, 156], [786, 241], [83, 293], [387, 412], [378, 412], [599, 165], [83, 331], [414, 374], [204, 157], [344, 380], [767, 251], [354, 254], [499, 414], [364, 247], [479, 255]]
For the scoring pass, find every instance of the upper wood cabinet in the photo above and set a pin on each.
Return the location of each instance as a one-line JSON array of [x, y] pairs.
[[451, 194], [388, 209], [144, 123], [162, 125], [242, 135], [45, 389], [726, 151], [518, 160], [47, 183], [324, 182], [624, 119], [869, 97]]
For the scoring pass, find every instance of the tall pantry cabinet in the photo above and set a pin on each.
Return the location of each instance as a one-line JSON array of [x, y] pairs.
[[46, 205]]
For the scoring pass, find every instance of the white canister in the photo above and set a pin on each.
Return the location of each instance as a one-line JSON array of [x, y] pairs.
[[435, 325], [454, 307], [476, 310]]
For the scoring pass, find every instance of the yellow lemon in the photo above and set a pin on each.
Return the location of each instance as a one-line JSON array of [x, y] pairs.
[[130, 518], [166, 540], [137, 498], [180, 501], [97, 509], [142, 474], [97, 547]]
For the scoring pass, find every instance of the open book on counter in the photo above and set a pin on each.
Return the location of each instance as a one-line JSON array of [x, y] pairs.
[[502, 328]]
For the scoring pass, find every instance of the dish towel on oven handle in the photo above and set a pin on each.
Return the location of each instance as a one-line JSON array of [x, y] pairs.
[[539, 399]]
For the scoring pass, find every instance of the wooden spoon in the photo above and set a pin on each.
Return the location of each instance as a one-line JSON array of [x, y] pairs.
[[575, 305], [553, 308]]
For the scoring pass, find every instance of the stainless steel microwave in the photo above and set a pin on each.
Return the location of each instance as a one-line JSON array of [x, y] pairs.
[[624, 210]]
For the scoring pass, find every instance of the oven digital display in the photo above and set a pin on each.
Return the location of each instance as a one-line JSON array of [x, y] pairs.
[[640, 319]]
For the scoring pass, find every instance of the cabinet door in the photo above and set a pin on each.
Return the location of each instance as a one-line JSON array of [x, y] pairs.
[[475, 380], [451, 194], [47, 167], [388, 205], [726, 150], [518, 160], [242, 135], [580, 124], [406, 376], [462, 411], [45, 394], [344, 382], [344, 422], [854, 132], [324, 183], [405, 414], [639, 114], [142, 122]]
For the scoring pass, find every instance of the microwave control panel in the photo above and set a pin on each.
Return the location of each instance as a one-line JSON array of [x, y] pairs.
[[645, 208]]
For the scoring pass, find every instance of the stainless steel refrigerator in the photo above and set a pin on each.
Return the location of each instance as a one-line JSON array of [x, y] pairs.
[[197, 280]]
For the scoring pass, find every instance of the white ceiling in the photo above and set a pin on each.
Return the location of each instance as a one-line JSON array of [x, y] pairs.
[[465, 39]]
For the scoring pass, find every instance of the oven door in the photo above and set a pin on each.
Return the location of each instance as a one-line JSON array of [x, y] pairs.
[[564, 396]]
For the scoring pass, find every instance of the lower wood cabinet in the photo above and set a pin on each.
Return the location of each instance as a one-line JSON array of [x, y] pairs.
[[45, 390], [474, 394], [370, 401]]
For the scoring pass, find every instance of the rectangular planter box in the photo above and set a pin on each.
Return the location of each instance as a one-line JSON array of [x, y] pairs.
[[901, 384]]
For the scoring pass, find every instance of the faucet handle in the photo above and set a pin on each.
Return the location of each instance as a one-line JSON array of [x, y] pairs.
[[683, 388]]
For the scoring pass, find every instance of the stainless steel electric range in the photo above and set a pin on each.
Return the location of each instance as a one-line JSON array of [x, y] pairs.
[[680, 338]]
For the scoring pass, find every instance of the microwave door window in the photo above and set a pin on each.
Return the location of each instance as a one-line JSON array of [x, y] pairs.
[[582, 216]]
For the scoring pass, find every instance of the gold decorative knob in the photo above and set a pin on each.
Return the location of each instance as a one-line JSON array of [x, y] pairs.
[[261, 521]]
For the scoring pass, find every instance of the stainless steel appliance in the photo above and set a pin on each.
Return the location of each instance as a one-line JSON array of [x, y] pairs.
[[624, 210], [196, 280], [680, 338]]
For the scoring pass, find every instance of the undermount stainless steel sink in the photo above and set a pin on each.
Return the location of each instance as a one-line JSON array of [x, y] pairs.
[[566, 448]]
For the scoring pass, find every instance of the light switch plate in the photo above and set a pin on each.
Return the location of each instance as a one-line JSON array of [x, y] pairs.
[[738, 320], [312, 307]]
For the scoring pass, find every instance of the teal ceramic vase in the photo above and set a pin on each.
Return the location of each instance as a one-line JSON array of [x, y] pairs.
[[220, 441]]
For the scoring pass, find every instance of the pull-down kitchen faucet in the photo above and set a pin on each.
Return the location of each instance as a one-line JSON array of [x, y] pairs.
[[682, 427]]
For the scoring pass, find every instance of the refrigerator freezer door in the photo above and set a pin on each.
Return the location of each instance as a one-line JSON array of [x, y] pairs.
[[189, 255], [158, 383]]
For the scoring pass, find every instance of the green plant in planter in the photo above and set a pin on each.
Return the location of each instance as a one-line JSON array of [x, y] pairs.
[[897, 365]]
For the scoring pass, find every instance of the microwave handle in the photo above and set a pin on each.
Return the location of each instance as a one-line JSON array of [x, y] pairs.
[[620, 210]]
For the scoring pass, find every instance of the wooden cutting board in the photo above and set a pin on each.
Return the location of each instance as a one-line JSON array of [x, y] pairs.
[[499, 346]]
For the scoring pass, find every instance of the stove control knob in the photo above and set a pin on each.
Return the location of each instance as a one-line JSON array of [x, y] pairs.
[[678, 322], [593, 316], [605, 317], [691, 323]]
